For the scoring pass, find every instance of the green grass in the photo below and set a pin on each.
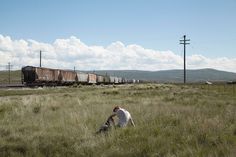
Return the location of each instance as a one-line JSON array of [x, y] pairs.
[[15, 77], [171, 120]]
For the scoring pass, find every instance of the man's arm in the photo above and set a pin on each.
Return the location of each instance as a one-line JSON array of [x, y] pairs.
[[131, 121], [112, 120], [113, 115]]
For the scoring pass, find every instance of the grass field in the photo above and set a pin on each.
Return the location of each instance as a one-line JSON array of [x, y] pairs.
[[171, 120], [15, 77]]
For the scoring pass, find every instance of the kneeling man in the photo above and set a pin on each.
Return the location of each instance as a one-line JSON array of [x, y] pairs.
[[123, 116]]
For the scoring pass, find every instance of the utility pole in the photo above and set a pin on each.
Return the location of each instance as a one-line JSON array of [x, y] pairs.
[[184, 42], [40, 54], [9, 72]]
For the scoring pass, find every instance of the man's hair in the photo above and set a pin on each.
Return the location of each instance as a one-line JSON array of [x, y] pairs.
[[115, 108]]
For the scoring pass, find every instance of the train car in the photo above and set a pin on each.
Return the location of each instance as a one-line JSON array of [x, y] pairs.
[[82, 78], [116, 80], [112, 79], [124, 80], [100, 79], [129, 81], [106, 79], [120, 80], [67, 77], [39, 75], [92, 78]]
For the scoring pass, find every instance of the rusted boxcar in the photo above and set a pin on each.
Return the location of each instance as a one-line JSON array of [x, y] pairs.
[[29, 74], [44, 76], [92, 78], [106, 79], [39, 75], [82, 77], [100, 79], [67, 77], [112, 79]]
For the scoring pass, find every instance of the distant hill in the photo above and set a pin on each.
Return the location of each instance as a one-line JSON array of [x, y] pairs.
[[201, 75], [173, 76]]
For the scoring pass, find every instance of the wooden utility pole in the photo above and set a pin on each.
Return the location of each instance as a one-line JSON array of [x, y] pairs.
[[40, 55], [9, 72], [184, 42], [8, 68]]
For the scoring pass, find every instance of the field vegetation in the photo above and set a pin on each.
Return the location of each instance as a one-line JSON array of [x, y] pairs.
[[15, 77], [171, 120]]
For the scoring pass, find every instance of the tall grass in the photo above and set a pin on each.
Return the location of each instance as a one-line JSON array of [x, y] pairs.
[[170, 120]]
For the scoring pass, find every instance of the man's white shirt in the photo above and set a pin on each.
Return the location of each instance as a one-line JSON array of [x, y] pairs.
[[124, 117]]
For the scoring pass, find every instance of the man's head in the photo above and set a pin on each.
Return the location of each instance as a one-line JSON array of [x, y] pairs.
[[116, 108]]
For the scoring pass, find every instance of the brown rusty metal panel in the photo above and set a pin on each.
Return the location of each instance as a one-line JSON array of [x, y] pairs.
[[92, 78], [67, 76], [45, 75], [56, 75], [39, 75]]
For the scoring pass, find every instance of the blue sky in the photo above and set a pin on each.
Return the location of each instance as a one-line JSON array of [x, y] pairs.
[[152, 24], [156, 24]]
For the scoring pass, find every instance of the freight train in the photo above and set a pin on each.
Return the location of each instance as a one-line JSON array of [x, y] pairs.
[[38, 76]]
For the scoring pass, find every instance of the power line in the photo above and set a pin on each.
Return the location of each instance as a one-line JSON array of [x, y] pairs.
[[184, 42], [8, 68]]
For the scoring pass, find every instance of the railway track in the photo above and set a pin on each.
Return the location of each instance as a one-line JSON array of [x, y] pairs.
[[12, 85]]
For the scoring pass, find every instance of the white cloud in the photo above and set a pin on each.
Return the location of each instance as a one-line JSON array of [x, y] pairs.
[[67, 53]]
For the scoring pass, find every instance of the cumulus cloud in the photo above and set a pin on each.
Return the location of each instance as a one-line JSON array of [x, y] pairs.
[[67, 53]]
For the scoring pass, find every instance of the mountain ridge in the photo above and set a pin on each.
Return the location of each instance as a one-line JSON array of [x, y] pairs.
[[176, 75]]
